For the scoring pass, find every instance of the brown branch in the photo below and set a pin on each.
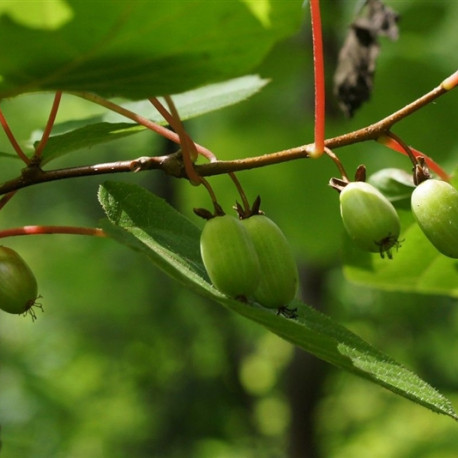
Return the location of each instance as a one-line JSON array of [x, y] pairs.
[[173, 165], [32, 175]]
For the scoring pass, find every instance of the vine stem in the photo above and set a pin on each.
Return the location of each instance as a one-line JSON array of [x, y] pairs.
[[36, 230], [12, 139], [318, 69]]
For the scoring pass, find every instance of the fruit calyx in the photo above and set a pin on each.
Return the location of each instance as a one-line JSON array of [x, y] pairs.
[[421, 171]]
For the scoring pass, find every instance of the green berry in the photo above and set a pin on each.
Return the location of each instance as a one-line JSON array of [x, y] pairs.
[[279, 276], [229, 256], [18, 286], [369, 218], [435, 207]]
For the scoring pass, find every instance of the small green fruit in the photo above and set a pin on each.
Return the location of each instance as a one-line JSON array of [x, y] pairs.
[[279, 276], [435, 207], [369, 218], [229, 256], [18, 286]]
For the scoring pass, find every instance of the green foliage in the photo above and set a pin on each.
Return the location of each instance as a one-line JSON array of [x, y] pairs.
[[171, 374], [146, 223], [136, 51]]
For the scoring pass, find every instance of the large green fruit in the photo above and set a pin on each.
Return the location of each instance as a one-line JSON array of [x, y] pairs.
[[279, 276], [435, 207], [18, 286], [369, 218], [229, 256]]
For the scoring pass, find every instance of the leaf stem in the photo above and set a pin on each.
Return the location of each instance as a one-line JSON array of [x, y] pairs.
[[12, 139], [49, 124], [6, 198], [188, 148], [318, 68], [394, 144], [169, 118], [161, 130]]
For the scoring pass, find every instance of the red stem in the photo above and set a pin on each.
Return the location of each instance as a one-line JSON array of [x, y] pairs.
[[318, 68], [12, 139], [35, 230], [49, 124], [432, 165], [161, 130], [6, 198], [171, 120], [188, 148]]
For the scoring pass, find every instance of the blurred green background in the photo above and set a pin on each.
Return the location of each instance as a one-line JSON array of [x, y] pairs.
[[125, 362]]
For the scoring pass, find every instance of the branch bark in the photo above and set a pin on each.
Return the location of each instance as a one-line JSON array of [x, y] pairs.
[[173, 165]]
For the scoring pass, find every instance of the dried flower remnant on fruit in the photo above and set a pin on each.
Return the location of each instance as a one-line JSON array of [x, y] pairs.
[[354, 76]]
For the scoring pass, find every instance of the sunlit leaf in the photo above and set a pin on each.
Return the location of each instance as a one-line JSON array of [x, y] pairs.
[[138, 49]]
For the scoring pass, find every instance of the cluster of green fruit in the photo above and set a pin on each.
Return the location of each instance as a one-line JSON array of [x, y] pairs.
[[373, 224], [18, 286], [250, 258]]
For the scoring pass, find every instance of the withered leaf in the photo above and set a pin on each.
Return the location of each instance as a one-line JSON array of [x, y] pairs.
[[354, 76]]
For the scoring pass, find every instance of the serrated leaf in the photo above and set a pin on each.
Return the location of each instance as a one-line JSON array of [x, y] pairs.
[[138, 49], [416, 266], [110, 127], [148, 224]]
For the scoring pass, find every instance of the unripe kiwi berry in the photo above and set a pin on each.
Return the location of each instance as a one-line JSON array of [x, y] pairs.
[[18, 286], [279, 276], [369, 218], [435, 208], [229, 256]]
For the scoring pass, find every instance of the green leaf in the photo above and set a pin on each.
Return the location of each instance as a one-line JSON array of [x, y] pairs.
[[9, 155], [85, 137], [416, 266], [395, 184], [138, 49], [113, 126], [148, 224]]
